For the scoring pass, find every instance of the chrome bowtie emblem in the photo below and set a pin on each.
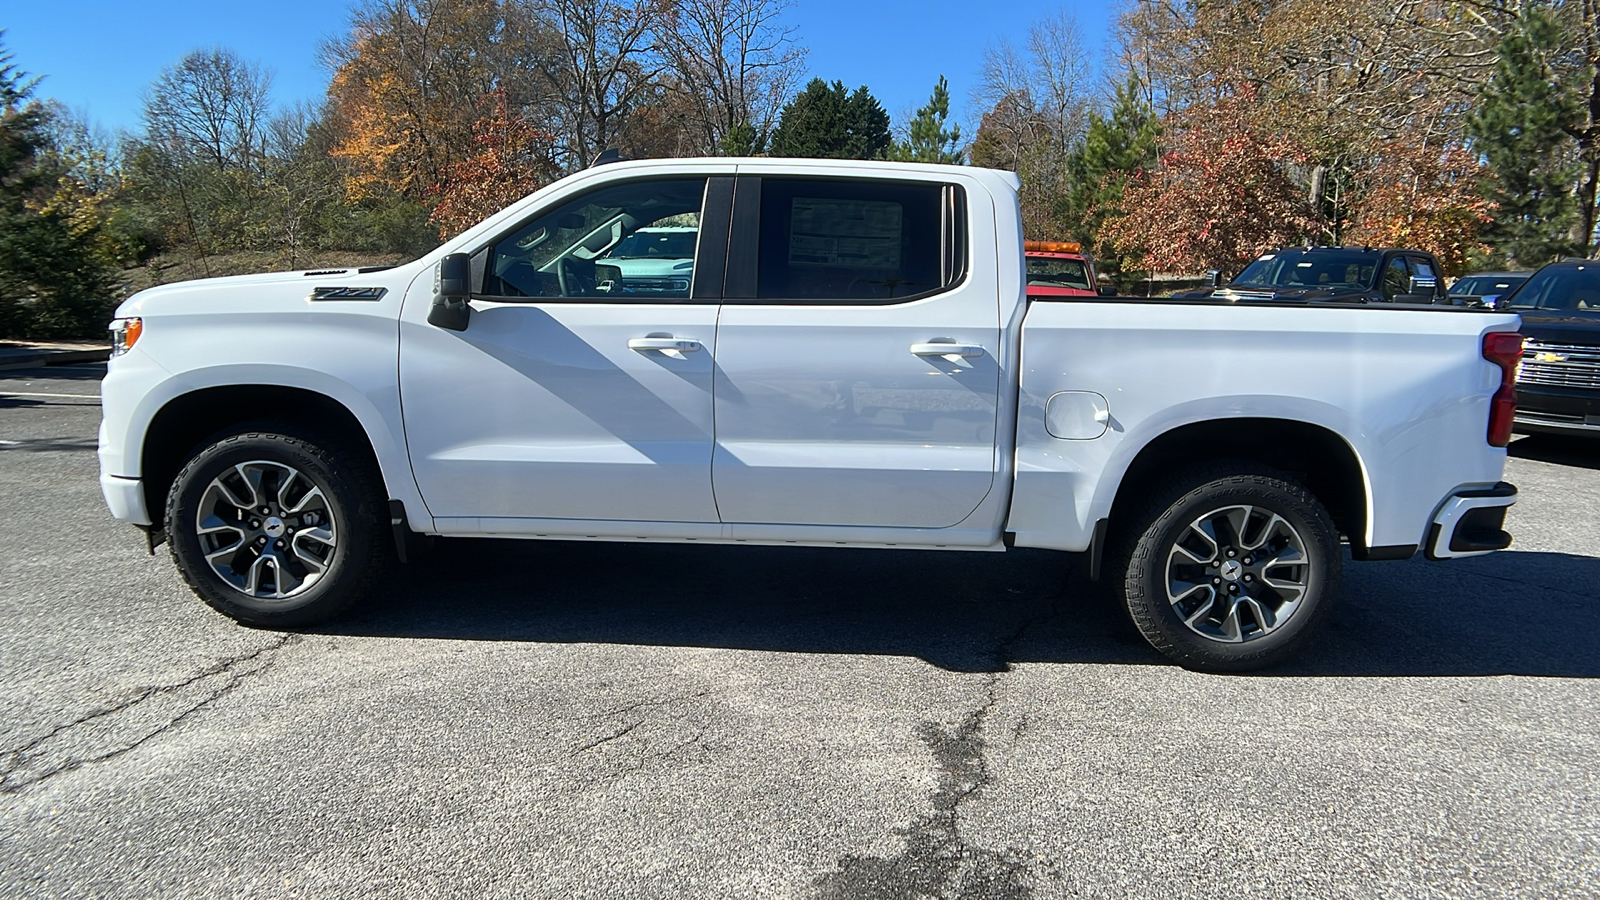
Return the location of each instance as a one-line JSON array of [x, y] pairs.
[[1232, 569]]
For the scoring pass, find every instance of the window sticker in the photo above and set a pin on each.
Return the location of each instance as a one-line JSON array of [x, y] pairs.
[[849, 234]]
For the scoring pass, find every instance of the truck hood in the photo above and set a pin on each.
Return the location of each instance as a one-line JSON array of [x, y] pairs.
[[227, 293], [1558, 328]]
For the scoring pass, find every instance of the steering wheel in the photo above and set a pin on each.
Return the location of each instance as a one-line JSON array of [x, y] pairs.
[[576, 276]]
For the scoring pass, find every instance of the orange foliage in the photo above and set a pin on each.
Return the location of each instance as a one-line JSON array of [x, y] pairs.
[[1219, 197], [1427, 200]]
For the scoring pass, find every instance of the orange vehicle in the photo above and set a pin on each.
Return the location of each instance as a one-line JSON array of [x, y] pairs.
[[1061, 269]]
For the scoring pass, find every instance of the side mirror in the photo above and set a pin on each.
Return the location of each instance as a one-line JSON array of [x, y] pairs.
[[1107, 290], [451, 293], [1489, 300], [1213, 277], [1423, 284]]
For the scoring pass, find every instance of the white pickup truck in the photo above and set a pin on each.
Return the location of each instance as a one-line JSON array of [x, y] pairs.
[[849, 359]]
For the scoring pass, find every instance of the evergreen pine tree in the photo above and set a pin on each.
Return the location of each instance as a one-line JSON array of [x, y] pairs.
[[928, 141], [1113, 148], [51, 282], [831, 123], [1517, 130]]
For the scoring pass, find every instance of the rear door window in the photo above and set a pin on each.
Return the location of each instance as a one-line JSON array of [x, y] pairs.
[[854, 241]]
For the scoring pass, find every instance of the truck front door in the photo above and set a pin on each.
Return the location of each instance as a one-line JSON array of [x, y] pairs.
[[857, 381], [581, 388]]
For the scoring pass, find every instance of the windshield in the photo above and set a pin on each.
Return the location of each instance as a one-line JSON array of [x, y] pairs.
[[646, 244], [1311, 269], [1045, 271], [1487, 285], [1568, 289]]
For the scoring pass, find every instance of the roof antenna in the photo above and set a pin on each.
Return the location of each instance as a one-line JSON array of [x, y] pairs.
[[609, 155]]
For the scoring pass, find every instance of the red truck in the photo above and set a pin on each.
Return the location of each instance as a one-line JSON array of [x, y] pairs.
[[1061, 269]]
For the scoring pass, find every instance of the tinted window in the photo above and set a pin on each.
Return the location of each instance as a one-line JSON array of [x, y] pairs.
[[1319, 268], [1045, 271], [1574, 289], [1484, 285], [629, 241], [1396, 278], [850, 240]]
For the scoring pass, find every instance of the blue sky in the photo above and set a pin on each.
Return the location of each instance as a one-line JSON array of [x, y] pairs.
[[99, 55]]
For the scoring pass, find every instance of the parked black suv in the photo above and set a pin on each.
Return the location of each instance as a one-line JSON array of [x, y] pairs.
[[1558, 383], [1339, 274]]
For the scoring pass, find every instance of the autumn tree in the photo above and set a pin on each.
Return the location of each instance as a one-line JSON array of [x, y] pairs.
[[1218, 198], [1427, 199], [831, 122], [406, 88], [927, 137], [511, 158]]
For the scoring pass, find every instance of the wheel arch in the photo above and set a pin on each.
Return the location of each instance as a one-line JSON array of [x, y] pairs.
[[1317, 456], [183, 422]]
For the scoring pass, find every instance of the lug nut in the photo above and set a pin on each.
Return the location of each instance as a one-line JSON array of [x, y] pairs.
[[1232, 553], [1247, 560], [261, 542], [265, 510], [279, 545], [255, 523], [1249, 578], [1216, 581], [1233, 589]]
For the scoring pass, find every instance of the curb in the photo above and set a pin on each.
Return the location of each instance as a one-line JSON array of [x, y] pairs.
[[35, 359]]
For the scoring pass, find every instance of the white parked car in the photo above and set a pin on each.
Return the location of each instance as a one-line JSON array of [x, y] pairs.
[[853, 362]]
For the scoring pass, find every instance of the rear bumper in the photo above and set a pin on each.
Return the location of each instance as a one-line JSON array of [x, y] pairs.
[[125, 497], [1471, 523]]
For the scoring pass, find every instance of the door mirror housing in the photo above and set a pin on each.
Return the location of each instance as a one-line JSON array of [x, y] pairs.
[[451, 293], [1423, 284], [1107, 290], [1213, 277]]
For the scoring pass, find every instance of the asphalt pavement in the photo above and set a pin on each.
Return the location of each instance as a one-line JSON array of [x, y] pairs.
[[529, 719]]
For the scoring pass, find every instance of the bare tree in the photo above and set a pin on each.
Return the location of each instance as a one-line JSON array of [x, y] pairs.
[[602, 70], [211, 106], [735, 62]]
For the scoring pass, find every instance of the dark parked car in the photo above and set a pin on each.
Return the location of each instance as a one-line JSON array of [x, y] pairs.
[[1485, 288], [1335, 274], [1558, 383]]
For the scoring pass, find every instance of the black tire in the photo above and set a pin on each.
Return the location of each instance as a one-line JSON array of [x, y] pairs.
[[1233, 633], [343, 528]]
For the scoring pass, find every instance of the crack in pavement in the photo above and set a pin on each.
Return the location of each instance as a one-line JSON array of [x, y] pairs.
[[937, 860], [636, 717], [39, 760]]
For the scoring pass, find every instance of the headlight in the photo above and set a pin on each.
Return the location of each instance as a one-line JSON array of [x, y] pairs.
[[124, 334]]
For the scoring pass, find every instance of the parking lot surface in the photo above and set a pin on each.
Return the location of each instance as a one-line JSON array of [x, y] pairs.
[[527, 719]]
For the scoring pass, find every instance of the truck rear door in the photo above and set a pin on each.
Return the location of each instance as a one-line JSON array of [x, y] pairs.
[[857, 381]]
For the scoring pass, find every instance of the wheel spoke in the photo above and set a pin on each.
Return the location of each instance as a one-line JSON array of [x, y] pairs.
[[313, 496], [228, 551], [1238, 519]]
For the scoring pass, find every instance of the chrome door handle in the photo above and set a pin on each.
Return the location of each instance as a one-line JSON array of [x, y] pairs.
[[944, 348], [682, 345]]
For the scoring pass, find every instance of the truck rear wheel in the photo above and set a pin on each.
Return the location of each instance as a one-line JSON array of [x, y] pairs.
[[1230, 568], [277, 530]]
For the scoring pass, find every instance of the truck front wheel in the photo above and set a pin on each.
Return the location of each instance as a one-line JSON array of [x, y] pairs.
[[277, 530], [1230, 568]]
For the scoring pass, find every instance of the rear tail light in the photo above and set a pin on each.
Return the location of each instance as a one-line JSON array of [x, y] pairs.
[[1504, 349]]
